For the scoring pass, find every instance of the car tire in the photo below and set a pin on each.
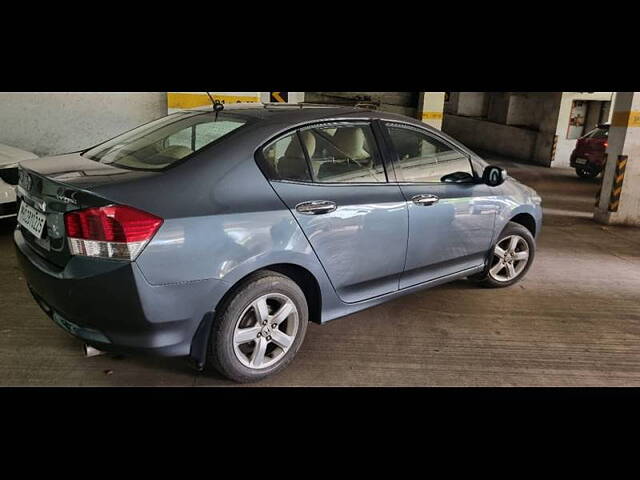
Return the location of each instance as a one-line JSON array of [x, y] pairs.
[[495, 277], [586, 172], [240, 318]]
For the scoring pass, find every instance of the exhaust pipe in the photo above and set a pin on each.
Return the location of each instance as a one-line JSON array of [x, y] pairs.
[[89, 351]]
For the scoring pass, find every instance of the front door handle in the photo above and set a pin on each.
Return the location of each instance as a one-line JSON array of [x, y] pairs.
[[425, 200], [316, 207]]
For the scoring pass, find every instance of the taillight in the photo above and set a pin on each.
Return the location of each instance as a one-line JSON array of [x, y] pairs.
[[115, 231], [606, 144]]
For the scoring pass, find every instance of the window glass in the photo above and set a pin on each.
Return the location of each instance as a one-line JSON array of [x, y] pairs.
[[344, 154], [163, 142], [286, 159], [424, 159], [598, 133]]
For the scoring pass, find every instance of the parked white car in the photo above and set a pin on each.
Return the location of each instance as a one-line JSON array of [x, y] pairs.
[[10, 157]]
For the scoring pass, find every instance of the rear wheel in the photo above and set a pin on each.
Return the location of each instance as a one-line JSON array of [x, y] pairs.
[[259, 328], [586, 172], [510, 259]]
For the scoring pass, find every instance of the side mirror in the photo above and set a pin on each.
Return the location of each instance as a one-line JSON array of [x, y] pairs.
[[494, 176], [457, 177]]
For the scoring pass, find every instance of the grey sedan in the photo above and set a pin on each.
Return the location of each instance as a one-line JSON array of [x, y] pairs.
[[218, 235]]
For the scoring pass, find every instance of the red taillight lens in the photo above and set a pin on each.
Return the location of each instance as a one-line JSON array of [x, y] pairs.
[[606, 144], [115, 231], [112, 224]]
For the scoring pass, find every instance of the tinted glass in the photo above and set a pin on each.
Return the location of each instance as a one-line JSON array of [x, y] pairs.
[[598, 133], [286, 160], [344, 154], [424, 159], [161, 143]]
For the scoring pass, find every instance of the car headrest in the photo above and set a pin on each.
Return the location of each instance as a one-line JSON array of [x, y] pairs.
[[352, 142], [309, 141]]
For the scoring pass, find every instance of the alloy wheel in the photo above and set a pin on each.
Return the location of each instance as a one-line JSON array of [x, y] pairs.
[[265, 331], [510, 258]]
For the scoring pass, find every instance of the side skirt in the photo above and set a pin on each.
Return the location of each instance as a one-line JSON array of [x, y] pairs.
[[372, 302]]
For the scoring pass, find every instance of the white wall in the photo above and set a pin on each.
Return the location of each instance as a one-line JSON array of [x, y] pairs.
[[54, 123]]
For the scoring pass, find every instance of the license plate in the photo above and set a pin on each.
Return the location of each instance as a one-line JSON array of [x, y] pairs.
[[581, 161], [31, 219]]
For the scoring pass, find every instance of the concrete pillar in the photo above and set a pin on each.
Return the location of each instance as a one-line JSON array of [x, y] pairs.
[[430, 108], [619, 200]]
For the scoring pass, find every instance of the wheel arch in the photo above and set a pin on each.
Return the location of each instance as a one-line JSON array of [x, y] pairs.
[[526, 220], [299, 274]]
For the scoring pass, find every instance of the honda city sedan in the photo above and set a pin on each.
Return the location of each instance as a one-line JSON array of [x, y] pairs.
[[218, 235]]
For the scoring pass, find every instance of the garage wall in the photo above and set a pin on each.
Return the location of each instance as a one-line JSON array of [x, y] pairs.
[[479, 134], [54, 123], [517, 124], [405, 103]]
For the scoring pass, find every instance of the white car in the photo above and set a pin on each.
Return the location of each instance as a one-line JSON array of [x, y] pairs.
[[9, 159]]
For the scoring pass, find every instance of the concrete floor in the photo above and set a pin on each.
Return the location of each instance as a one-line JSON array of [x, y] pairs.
[[573, 321]]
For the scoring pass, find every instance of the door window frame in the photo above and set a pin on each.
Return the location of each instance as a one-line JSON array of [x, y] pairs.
[[372, 123], [394, 156]]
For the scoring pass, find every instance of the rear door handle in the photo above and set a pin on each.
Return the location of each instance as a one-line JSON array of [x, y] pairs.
[[316, 207], [424, 200]]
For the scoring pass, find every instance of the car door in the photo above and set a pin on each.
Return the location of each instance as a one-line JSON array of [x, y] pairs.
[[450, 215], [332, 177]]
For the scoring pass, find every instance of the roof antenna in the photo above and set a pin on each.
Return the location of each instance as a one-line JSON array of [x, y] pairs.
[[218, 106]]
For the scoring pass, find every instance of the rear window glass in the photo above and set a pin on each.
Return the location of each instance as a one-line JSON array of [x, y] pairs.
[[161, 143], [598, 133]]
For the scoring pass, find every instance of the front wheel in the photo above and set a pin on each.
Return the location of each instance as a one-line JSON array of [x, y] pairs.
[[259, 328], [510, 258]]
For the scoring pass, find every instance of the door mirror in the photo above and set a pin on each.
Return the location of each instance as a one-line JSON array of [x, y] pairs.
[[494, 176], [457, 177]]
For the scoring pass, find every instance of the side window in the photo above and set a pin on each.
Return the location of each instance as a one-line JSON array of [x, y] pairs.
[[344, 154], [286, 159], [424, 159]]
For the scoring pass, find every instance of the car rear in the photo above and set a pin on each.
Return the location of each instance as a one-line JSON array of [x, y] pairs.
[[78, 252], [10, 157], [590, 149], [80, 234]]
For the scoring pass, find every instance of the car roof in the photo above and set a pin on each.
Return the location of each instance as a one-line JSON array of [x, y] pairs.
[[298, 113]]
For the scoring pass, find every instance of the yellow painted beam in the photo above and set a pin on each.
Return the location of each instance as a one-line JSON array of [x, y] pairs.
[[193, 100], [431, 115]]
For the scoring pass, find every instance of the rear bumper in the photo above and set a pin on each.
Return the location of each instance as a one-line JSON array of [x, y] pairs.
[[112, 307], [595, 161]]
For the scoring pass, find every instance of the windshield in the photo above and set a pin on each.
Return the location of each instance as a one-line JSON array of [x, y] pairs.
[[161, 143]]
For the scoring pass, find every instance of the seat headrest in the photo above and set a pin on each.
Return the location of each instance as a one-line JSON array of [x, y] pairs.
[[293, 165], [309, 140], [352, 142]]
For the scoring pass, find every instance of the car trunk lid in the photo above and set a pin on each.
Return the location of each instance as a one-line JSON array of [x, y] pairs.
[[57, 185]]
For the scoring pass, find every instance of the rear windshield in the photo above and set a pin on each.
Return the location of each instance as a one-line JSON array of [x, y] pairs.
[[161, 143], [598, 133]]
